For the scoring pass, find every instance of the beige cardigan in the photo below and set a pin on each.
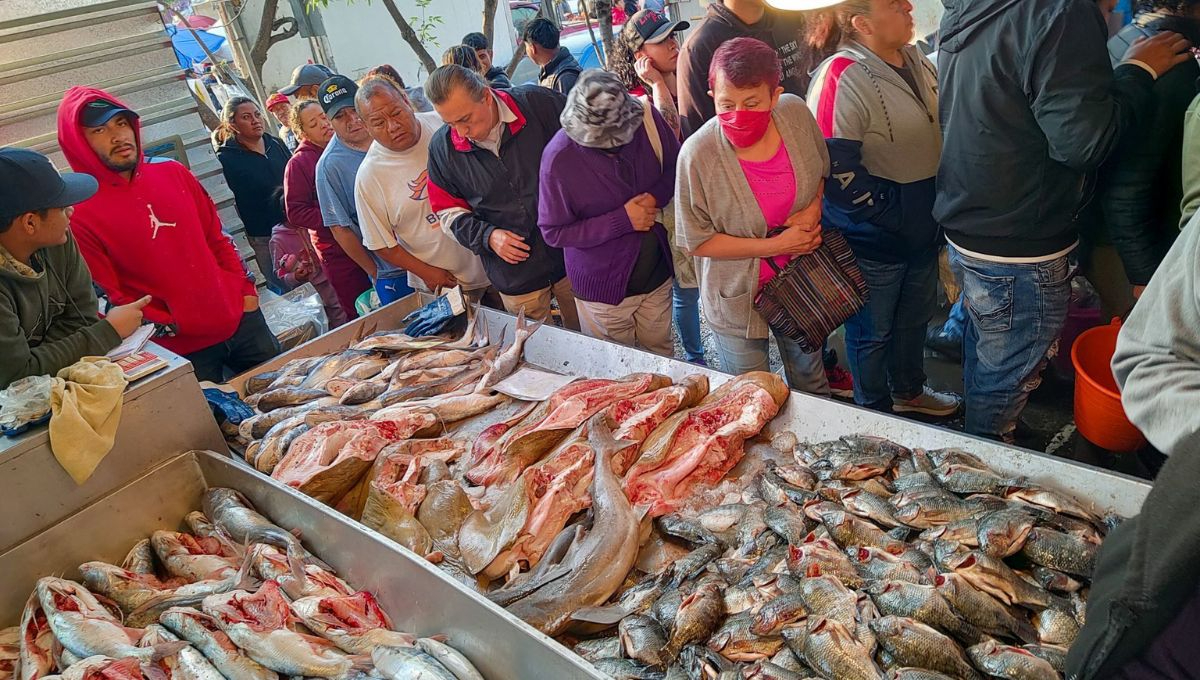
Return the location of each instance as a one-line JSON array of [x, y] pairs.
[[713, 197]]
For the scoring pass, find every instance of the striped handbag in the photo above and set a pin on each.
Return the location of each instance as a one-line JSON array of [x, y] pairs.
[[813, 294]]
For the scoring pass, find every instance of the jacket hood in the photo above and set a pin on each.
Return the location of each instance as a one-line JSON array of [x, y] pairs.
[[71, 138], [963, 18], [12, 268]]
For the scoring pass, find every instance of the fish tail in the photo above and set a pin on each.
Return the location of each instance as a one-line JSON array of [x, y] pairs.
[[607, 615]]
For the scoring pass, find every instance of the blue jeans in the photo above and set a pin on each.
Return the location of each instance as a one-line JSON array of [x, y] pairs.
[[956, 323], [885, 341], [804, 371], [1015, 312], [686, 310], [392, 288]]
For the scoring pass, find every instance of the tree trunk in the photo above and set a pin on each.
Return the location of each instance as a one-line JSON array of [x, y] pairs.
[[489, 19], [267, 36], [518, 55], [410, 36], [604, 18]]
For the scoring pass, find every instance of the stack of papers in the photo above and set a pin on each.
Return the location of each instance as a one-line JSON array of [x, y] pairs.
[[134, 343]]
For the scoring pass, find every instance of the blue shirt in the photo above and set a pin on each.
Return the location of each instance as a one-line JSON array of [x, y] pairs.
[[335, 192]]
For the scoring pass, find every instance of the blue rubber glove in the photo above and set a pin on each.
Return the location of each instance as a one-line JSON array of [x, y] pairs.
[[227, 406], [435, 316]]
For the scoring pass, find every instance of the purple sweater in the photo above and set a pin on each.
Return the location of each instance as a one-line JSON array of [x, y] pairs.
[[581, 207]]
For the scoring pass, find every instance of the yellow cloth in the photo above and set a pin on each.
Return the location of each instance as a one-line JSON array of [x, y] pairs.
[[85, 408]]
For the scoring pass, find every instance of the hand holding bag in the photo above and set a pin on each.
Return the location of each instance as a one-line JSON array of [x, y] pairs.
[[813, 294]]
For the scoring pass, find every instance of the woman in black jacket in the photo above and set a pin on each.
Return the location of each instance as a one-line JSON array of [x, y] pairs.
[[253, 163]]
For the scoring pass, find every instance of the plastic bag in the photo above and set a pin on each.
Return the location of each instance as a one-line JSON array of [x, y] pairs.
[[296, 316], [26, 402]]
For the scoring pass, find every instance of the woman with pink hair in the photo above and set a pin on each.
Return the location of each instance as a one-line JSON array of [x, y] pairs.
[[758, 165]]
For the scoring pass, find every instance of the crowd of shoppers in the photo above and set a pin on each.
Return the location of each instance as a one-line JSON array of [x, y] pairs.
[[685, 176]]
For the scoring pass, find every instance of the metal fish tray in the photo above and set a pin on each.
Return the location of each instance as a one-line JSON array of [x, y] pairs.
[[418, 597], [811, 418]]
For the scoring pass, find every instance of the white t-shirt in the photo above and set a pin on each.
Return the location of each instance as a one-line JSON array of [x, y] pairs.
[[391, 192]]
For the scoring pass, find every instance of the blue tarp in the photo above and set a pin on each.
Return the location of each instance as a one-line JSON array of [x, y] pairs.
[[187, 51]]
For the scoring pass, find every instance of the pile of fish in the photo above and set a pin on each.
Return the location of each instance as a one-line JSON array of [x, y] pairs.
[[857, 559], [511, 497], [611, 516], [237, 598]]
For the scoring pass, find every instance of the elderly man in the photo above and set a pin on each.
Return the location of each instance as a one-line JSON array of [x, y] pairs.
[[392, 195], [483, 184]]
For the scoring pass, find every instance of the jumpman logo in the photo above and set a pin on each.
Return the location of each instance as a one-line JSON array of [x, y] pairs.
[[155, 223]]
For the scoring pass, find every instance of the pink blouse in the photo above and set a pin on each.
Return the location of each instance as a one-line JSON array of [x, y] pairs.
[[773, 183]]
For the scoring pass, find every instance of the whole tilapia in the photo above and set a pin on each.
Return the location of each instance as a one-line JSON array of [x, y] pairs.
[[642, 639], [912, 643], [1061, 552], [923, 603], [836, 654], [202, 631], [998, 579], [598, 563], [1002, 533], [982, 610], [698, 616], [1012, 663]]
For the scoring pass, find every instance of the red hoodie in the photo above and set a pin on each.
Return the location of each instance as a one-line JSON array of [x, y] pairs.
[[157, 234]]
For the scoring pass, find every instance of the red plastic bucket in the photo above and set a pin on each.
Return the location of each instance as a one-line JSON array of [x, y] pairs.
[[1098, 412]]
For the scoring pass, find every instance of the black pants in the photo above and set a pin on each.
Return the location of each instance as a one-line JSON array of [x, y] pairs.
[[250, 345]]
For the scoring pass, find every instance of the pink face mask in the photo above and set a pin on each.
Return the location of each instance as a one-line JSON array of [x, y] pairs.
[[744, 128]]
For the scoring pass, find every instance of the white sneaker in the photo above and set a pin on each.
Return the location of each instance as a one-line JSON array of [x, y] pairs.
[[929, 402]]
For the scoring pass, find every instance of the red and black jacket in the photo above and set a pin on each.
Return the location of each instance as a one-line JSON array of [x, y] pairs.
[[475, 191]]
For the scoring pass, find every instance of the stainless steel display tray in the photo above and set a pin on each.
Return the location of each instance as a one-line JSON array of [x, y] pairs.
[[418, 597]]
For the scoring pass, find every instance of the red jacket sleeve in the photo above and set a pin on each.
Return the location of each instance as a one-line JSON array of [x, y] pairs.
[[220, 243], [300, 195]]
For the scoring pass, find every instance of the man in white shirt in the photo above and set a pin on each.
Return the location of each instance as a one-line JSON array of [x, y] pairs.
[[391, 192]]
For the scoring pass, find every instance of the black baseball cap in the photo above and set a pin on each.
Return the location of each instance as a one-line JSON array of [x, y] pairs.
[[306, 74], [652, 27], [335, 94], [99, 111], [29, 182]]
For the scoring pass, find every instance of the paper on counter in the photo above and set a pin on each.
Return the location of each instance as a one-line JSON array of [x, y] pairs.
[[134, 343], [532, 384]]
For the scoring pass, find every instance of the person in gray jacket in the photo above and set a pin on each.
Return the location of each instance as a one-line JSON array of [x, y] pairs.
[[1143, 609], [875, 100], [758, 165]]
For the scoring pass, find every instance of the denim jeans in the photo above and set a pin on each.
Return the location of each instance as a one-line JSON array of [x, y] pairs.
[[1015, 312], [956, 323], [685, 304], [804, 371], [392, 288], [885, 341]]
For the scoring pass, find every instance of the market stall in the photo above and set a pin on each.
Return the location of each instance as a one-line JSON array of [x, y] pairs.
[[163, 415], [1039, 498]]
